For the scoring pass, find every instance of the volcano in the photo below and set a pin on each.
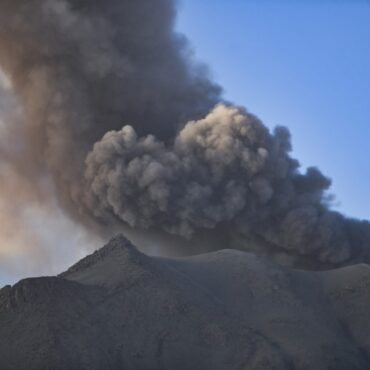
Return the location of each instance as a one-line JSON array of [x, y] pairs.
[[121, 309]]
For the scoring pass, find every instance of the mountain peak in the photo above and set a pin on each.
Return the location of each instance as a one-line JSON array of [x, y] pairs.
[[121, 309], [117, 262]]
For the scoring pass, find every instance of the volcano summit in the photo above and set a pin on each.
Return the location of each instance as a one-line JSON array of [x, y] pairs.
[[121, 309]]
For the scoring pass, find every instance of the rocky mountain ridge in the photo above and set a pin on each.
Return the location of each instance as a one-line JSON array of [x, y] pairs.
[[121, 309]]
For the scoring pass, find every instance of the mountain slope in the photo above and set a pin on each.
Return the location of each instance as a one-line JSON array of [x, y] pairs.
[[120, 309]]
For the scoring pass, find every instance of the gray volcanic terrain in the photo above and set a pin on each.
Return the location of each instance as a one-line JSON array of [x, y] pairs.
[[121, 309]]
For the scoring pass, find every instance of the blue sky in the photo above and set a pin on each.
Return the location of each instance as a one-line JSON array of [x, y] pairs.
[[302, 64]]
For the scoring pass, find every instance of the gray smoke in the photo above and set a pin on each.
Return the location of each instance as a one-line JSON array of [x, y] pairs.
[[224, 171], [184, 162], [81, 68]]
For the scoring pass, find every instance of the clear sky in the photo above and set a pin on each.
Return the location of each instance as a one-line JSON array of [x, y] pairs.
[[302, 64]]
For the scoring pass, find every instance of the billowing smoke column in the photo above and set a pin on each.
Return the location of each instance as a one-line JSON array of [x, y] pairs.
[[223, 171], [184, 163]]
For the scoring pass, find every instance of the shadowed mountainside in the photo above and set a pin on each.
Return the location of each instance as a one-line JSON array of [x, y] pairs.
[[121, 309]]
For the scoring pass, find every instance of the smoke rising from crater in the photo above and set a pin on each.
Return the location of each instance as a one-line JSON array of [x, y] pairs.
[[128, 129]]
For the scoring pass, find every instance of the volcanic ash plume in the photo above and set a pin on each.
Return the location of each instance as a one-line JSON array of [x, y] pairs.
[[224, 171], [185, 162]]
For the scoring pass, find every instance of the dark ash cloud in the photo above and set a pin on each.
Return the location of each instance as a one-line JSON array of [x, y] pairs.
[[184, 163]]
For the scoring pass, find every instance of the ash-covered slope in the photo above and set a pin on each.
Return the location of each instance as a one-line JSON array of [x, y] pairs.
[[120, 309]]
